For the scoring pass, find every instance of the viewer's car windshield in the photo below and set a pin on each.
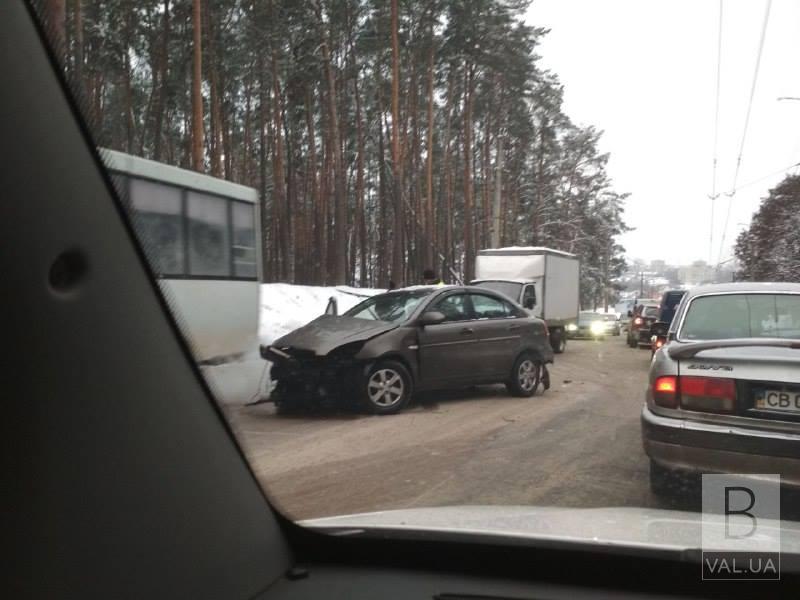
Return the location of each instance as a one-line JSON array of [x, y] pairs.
[[280, 160], [731, 316], [510, 289], [394, 307]]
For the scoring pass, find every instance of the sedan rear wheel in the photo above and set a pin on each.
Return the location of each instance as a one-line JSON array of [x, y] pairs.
[[525, 376], [387, 388]]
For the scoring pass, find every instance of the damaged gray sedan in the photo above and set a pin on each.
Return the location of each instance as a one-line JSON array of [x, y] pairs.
[[389, 346]]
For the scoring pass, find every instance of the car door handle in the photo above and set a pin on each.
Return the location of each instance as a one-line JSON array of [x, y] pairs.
[[467, 331], [513, 327]]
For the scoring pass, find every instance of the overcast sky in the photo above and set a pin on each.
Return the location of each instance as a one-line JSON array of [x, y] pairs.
[[644, 72]]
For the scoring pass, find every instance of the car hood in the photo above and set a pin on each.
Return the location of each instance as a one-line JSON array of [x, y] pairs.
[[620, 529], [328, 332]]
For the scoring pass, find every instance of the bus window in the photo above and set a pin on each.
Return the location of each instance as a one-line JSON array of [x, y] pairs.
[[157, 219], [244, 240], [209, 246]]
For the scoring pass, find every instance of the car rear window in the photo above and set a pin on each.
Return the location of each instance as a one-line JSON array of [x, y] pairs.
[[742, 316], [651, 311]]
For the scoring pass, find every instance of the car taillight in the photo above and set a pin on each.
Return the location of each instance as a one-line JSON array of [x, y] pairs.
[[708, 394], [665, 391], [637, 321]]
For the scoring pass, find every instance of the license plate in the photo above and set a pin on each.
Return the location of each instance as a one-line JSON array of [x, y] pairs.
[[778, 400]]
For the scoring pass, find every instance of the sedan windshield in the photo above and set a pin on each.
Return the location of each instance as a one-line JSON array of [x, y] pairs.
[[394, 307], [742, 316]]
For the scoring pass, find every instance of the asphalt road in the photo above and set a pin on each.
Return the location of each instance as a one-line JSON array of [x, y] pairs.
[[578, 445]]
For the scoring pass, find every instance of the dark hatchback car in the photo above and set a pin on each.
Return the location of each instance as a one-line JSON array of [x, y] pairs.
[[642, 317], [666, 312], [387, 347]]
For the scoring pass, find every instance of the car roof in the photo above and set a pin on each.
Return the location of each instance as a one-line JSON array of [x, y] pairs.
[[743, 287], [431, 289], [503, 279]]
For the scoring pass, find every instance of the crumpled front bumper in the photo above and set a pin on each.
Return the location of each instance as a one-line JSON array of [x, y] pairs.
[[312, 378]]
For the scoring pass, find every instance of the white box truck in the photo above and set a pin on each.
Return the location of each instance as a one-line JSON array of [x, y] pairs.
[[544, 281]]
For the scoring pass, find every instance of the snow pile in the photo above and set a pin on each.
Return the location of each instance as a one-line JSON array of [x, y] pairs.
[[285, 307]]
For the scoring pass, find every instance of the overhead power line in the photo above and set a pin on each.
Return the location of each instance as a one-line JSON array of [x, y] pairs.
[[746, 125], [763, 177], [714, 193]]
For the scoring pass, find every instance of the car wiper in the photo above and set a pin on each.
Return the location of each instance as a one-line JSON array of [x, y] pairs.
[[693, 348]]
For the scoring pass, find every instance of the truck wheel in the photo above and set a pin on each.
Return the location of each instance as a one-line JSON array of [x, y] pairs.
[[558, 341]]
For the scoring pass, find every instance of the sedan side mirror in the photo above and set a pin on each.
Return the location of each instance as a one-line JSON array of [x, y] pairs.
[[630, 313], [432, 317], [333, 307]]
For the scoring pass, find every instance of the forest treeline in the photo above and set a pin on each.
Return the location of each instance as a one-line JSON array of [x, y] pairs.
[[769, 249], [384, 137]]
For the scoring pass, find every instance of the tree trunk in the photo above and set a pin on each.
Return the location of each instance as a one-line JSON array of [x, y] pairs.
[[360, 216], [445, 197], [498, 187], [57, 24], [383, 229], [162, 78], [215, 145], [397, 174], [197, 82], [262, 169], [78, 24], [318, 214], [278, 175], [469, 250], [339, 246], [430, 228]]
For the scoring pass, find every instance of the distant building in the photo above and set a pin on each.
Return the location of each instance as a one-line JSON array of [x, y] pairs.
[[658, 266], [696, 273]]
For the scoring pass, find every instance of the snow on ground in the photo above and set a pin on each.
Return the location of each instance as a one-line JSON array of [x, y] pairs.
[[285, 307]]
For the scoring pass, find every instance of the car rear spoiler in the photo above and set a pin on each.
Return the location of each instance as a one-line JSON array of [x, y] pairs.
[[692, 349]]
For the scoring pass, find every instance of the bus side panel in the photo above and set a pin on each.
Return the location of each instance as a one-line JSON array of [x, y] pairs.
[[219, 317]]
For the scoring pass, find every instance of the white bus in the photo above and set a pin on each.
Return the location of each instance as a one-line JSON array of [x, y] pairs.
[[201, 237]]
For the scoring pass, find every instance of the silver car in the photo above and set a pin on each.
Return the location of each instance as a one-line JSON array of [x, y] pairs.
[[724, 392]]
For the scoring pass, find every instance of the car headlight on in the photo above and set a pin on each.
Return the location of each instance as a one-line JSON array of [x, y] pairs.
[[597, 327], [572, 327]]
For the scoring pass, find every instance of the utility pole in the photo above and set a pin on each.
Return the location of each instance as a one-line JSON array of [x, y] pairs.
[[641, 284]]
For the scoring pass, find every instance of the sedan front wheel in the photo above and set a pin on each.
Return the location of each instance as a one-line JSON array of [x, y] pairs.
[[387, 388]]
